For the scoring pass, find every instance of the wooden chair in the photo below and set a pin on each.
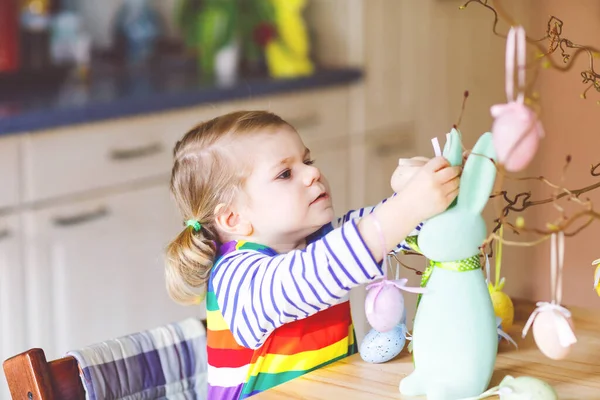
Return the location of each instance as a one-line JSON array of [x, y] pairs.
[[30, 376]]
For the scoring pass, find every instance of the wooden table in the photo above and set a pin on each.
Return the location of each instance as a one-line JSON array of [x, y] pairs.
[[576, 377]]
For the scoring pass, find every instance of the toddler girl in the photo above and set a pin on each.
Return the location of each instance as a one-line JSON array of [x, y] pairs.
[[260, 240]]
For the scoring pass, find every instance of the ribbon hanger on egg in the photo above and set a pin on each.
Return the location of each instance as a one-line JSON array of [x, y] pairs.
[[566, 335]]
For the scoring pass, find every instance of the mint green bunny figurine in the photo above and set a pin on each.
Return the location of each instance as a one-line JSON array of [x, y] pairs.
[[454, 336]]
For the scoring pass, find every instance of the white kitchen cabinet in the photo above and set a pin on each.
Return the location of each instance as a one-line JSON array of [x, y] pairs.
[[74, 160], [390, 62], [12, 309], [95, 269], [9, 172]]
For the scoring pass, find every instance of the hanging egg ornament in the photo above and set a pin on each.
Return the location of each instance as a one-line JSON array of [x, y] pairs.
[[503, 305], [547, 328], [516, 134], [384, 307], [516, 130], [597, 276]]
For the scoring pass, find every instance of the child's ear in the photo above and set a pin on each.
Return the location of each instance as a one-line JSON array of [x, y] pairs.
[[230, 222]]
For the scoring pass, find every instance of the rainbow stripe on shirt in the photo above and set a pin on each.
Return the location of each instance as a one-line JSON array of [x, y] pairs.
[[291, 350]]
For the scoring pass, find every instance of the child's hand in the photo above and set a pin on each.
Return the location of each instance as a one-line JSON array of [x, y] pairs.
[[406, 169], [433, 188]]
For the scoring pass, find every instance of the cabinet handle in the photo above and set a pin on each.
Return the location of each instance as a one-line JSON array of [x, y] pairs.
[[81, 218], [305, 122], [136, 152], [4, 233]]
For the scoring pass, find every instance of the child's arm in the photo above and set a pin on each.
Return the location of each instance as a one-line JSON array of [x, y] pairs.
[[362, 212], [257, 293], [429, 192], [406, 169]]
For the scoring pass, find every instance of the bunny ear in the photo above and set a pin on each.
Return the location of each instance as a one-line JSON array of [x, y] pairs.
[[478, 176], [453, 148]]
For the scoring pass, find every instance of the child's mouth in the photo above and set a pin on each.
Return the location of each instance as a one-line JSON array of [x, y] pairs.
[[322, 196]]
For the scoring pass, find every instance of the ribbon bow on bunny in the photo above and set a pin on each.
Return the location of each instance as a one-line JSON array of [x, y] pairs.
[[516, 130], [384, 304]]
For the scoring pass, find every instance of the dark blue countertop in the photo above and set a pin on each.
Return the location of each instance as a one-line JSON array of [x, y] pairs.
[[108, 96]]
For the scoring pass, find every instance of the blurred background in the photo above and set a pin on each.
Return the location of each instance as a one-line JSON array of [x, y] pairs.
[[94, 94]]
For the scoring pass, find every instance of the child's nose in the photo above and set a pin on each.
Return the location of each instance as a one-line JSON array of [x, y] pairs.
[[311, 175]]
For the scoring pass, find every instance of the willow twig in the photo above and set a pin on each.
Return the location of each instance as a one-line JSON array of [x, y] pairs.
[[555, 42]]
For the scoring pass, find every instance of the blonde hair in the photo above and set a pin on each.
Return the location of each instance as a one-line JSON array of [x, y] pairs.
[[205, 175]]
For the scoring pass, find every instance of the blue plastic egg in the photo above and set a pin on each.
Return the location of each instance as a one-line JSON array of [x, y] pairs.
[[379, 347]]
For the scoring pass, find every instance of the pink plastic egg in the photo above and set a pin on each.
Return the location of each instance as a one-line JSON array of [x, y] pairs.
[[516, 133], [545, 334], [387, 310]]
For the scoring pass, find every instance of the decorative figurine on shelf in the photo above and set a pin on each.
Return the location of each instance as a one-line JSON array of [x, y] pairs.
[[288, 53], [137, 28], [210, 31], [257, 29], [454, 338], [552, 325], [516, 129]]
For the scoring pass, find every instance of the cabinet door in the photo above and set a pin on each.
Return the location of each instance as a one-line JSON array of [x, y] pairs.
[[95, 269], [390, 62], [12, 309], [9, 172]]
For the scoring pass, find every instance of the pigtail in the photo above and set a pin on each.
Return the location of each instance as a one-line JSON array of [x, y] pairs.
[[190, 258]]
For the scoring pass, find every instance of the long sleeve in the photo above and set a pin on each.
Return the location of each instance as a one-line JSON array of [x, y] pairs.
[[361, 212], [258, 293]]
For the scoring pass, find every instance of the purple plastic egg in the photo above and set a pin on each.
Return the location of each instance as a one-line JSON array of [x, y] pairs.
[[387, 310]]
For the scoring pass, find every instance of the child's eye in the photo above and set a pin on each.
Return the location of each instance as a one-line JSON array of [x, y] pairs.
[[285, 174], [309, 162]]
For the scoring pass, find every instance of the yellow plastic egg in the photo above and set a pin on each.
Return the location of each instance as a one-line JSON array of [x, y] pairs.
[[597, 277], [545, 334], [503, 308]]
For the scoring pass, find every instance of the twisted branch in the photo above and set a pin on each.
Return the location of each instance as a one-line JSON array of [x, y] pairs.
[[555, 42]]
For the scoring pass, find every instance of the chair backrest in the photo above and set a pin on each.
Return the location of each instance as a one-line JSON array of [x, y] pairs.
[[113, 367], [30, 376]]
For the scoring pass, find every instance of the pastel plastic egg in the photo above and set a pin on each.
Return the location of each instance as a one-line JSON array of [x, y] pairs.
[[545, 334], [503, 308], [597, 279], [527, 387], [387, 310], [379, 347], [516, 133]]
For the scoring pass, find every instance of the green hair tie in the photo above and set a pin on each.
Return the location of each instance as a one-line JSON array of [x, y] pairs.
[[194, 224]]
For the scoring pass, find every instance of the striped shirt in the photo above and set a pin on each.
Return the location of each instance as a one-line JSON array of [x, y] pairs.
[[272, 317]]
